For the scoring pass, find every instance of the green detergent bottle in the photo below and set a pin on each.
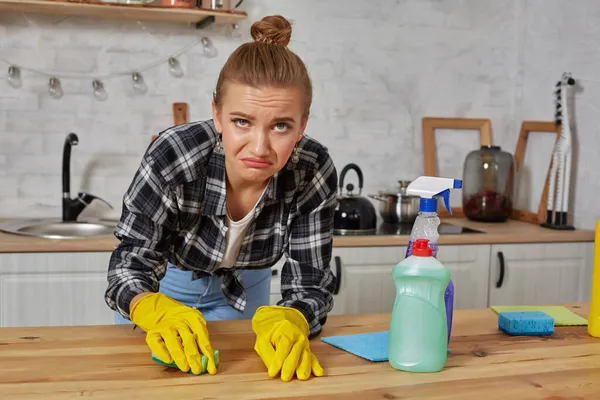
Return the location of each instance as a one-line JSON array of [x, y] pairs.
[[418, 335]]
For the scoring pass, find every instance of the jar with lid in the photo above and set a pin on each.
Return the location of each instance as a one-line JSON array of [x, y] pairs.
[[488, 184]]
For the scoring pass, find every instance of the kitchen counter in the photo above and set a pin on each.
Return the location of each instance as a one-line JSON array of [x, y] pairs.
[[511, 231], [113, 362], [508, 232]]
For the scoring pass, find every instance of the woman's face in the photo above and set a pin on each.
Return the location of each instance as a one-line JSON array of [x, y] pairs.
[[259, 129]]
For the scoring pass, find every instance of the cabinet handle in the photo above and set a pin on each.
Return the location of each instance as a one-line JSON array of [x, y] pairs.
[[274, 272], [338, 274], [501, 277]]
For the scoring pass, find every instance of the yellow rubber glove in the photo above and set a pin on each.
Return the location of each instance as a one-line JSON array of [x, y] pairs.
[[282, 343], [174, 332]]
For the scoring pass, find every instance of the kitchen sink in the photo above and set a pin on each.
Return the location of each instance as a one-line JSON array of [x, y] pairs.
[[69, 226], [59, 229]]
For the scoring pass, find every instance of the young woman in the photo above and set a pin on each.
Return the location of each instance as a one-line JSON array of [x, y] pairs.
[[214, 204]]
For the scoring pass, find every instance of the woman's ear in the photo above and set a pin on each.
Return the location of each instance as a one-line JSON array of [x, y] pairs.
[[217, 117]]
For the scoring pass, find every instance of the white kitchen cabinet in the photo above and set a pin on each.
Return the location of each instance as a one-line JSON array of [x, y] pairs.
[[469, 268], [540, 273], [52, 289], [367, 285], [366, 280], [45, 289]]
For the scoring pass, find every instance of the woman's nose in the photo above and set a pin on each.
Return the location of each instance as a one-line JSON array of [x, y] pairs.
[[262, 144]]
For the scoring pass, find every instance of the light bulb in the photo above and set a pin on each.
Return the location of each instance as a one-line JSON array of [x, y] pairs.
[[55, 88], [175, 68], [235, 31], [99, 91], [14, 76], [138, 83], [210, 51]]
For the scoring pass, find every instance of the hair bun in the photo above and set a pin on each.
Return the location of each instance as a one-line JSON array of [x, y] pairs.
[[273, 29]]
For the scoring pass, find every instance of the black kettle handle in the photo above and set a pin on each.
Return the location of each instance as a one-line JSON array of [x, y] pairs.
[[358, 172]]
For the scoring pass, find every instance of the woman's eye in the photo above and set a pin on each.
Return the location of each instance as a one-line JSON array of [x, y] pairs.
[[242, 123], [281, 127]]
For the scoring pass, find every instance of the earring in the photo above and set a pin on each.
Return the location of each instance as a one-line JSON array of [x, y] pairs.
[[219, 145], [295, 157]]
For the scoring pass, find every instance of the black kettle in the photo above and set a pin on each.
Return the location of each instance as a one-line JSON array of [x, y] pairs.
[[354, 214]]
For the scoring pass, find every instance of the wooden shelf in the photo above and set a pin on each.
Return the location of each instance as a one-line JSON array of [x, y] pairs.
[[97, 9]]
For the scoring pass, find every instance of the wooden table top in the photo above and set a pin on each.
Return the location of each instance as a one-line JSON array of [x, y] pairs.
[[113, 362]]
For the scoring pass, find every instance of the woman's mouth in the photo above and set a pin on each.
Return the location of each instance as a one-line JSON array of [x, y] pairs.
[[256, 162]]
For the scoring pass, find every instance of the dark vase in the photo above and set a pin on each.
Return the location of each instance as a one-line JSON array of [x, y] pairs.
[[488, 184]]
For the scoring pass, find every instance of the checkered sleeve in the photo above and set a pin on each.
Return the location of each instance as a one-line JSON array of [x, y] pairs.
[[147, 221], [307, 282]]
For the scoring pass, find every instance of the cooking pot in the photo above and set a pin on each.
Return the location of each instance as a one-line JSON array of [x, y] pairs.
[[354, 214], [398, 207], [224, 5]]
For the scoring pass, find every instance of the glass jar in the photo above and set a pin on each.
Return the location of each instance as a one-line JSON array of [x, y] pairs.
[[488, 184]]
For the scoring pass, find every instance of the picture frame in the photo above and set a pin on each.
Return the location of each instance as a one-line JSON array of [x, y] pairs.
[[430, 124], [526, 128]]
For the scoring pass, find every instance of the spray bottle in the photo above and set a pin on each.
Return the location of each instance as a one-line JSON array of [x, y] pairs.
[[417, 339], [429, 188]]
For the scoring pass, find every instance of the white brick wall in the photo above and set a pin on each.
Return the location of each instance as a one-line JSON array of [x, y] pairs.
[[377, 69]]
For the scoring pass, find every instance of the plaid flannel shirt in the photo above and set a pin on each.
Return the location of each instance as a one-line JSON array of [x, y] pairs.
[[174, 210]]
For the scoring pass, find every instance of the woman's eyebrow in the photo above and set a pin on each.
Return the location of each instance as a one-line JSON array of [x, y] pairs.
[[243, 115], [284, 119]]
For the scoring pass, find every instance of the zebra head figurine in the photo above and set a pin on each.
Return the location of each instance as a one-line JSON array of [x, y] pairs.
[[560, 170]]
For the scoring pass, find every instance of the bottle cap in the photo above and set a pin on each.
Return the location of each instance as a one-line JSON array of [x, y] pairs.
[[421, 248], [428, 205]]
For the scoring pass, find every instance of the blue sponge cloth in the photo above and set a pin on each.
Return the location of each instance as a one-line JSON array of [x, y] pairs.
[[526, 323]]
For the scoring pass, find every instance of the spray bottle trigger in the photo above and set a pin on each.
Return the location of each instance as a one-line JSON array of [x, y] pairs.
[[445, 194]]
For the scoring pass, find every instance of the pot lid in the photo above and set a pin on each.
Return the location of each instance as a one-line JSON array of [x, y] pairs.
[[399, 190]]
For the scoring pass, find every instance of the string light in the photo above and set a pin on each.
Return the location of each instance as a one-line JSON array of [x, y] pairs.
[[210, 51], [175, 68], [138, 83], [98, 89], [55, 88], [14, 76]]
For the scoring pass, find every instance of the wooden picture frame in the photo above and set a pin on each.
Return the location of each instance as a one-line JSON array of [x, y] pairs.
[[526, 128], [430, 124]]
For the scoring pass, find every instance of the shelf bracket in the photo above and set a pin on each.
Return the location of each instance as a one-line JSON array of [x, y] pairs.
[[205, 22]]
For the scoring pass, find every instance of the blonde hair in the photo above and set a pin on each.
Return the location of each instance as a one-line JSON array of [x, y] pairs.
[[266, 61]]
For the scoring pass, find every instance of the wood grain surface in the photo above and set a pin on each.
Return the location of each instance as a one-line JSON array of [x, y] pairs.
[[180, 113], [99, 9], [113, 362]]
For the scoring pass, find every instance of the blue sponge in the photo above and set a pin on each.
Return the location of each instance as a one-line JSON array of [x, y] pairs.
[[526, 323]]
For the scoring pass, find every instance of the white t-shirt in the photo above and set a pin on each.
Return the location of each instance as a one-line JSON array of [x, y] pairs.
[[235, 236]]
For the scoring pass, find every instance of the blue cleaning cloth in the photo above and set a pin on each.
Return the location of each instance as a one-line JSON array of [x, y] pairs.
[[525, 323], [372, 346]]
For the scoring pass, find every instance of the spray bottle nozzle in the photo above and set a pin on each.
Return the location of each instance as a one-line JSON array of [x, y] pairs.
[[430, 187], [446, 196]]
